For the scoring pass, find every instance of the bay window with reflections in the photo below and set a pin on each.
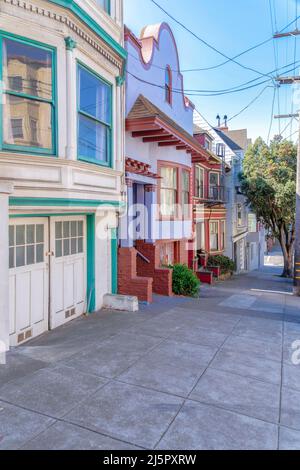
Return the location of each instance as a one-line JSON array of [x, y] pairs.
[[28, 96]]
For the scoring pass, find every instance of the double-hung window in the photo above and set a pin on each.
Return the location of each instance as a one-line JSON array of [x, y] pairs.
[[94, 118], [169, 191], [28, 96]]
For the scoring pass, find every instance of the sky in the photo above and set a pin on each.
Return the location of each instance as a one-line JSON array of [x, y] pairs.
[[232, 26]]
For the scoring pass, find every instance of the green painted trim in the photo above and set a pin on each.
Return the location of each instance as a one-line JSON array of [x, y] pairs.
[[114, 261], [52, 102], [60, 214], [91, 262], [92, 24], [71, 44], [58, 202], [109, 127]]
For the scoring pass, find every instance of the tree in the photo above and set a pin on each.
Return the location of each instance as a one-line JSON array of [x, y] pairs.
[[269, 184]]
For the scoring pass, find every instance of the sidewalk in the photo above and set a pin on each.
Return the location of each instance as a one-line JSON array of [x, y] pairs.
[[208, 373]]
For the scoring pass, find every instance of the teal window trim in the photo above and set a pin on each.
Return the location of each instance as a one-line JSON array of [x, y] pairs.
[[109, 128], [52, 102], [93, 25], [59, 202], [114, 261]]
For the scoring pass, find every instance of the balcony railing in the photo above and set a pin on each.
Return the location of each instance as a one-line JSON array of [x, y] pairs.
[[211, 193]]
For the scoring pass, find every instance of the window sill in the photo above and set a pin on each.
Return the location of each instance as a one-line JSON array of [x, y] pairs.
[[28, 151], [94, 162]]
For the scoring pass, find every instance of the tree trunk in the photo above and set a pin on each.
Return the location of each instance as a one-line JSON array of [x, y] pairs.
[[287, 250]]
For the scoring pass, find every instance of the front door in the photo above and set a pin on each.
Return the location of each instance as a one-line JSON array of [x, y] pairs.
[[28, 279], [68, 269]]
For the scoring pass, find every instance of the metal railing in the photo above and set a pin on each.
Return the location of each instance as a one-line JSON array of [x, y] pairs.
[[211, 193]]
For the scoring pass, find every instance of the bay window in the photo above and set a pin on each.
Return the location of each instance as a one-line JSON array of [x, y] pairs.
[[223, 234], [214, 236], [94, 118], [214, 185], [28, 101], [168, 191]]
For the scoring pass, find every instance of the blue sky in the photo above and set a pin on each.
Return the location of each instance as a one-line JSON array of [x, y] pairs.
[[231, 26]]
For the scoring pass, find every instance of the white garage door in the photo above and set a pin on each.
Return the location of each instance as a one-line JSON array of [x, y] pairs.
[[28, 279], [68, 269]]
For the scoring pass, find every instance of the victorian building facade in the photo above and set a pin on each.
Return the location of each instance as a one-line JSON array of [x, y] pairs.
[[159, 149], [61, 160]]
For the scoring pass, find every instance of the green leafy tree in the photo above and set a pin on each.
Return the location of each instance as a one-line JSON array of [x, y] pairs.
[[269, 183]]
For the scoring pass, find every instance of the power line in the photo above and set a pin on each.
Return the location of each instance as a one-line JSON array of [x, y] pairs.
[[206, 43], [251, 102]]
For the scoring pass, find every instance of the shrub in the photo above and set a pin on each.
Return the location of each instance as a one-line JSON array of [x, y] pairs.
[[185, 281], [226, 264]]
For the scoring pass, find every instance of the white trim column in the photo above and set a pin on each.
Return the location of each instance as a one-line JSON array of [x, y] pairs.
[[71, 99], [6, 188]]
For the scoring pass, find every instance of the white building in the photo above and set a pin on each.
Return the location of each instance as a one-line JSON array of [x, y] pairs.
[[61, 160]]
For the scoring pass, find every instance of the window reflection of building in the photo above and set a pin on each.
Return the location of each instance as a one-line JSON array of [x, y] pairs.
[[27, 73]]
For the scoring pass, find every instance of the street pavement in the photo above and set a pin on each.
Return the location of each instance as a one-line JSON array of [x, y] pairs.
[[218, 372]]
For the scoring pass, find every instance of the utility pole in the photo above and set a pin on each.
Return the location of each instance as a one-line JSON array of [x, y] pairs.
[[290, 81]]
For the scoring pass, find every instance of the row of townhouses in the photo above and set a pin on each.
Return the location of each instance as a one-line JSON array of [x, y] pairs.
[[108, 174]]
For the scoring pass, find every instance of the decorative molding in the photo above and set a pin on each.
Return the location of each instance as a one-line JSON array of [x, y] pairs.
[[120, 80], [150, 188], [119, 56], [70, 43], [129, 182]]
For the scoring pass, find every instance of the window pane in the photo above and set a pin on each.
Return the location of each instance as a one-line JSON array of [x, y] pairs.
[[66, 247], [213, 179], [11, 235], [58, 229], [30, 254], [169, 176], [58, 248], [73, 246], [40, 253], [93, 140], [30, 232], [11, 257], [66, 231], [73, 229], [80, 245], [168, 201], [20, 256], [185, 180], [80, 229], [95, 96], [27, 122], [39, 233], [20, 235], [27, 69]]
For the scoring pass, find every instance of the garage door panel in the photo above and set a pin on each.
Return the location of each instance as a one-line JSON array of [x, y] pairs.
[[79, 281], [38, 293], [58, 281], [68, 268], [12, 305], [28, 278], [69, 285], [23, 301]]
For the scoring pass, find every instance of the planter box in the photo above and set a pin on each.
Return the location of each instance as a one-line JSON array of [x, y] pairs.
[[206, 277], [216, 270], [225, 276]]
